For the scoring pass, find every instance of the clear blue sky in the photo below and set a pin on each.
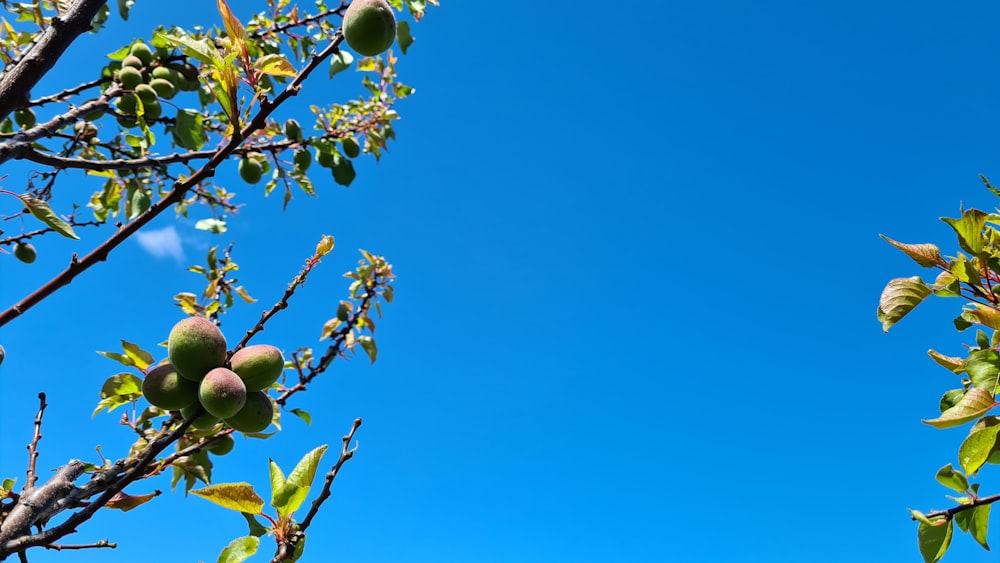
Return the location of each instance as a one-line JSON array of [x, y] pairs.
[[638, 270]]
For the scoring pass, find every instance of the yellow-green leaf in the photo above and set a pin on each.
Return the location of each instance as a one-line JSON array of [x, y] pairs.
[[976, 403], [239, 550], [235, 496], [275, 65], [979, 445], [41, 210], [955, 365], [934, 539], [324, 246], [927, 255], [898, 298]]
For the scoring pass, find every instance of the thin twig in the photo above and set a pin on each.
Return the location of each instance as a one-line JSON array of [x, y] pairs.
[[61, 547], [951, 512], [33, 446]]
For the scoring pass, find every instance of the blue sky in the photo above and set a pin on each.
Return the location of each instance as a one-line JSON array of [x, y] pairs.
[[638, 269]]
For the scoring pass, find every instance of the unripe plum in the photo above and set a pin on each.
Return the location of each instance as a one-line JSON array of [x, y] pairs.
[[369, 26], [142, 52], [255, 415], [222, 393], [222, 446], [164, 88], [129, 77], [132, 61], [258, 366], [164, 388], [25, 252], [195, 347], [250, 170], [203, 422]]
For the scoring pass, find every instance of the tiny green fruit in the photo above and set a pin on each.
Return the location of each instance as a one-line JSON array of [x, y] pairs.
[[195, 347], [223, 445], [146, 93], [369, 26], [132, 61], [165, 388], [203, 422], [351, 148], [222, 392], [130, 77], [343, 170], [128, 104], [258, 366], [25, 118], [152, 109], [25, 252], [256, 414], [293, 130], [163, 88], [142, 52], [302, 160], [250, 170]]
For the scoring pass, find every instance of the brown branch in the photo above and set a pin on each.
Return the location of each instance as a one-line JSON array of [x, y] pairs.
[[102, 543], [175, 195], [21, 143], [287, 548], [68, 92], [299, 22], [16, 84], [33, 446]]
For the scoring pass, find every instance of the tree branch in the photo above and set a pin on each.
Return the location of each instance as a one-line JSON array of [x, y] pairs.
[[33, 446]]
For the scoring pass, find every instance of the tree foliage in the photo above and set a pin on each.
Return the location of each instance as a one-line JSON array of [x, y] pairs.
[[158, 118], [972, 275]]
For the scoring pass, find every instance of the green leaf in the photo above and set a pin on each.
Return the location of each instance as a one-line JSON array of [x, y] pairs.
[[951, 398], [979, 524], [120, 358], [234, 496], [934, 539], [898, 298], [947, 285], [304, 415], [277, 479], [976, 403], [340, 61], [368, 344], [140, 358], [256, 528], [290, 496], [324, 246], [343, 170], [964, 271], [121, 384], [403, 36], [200, 49], [979, 445], [44, 213], [969, 229], [123, 8], [299, 549], [983, 367], [240, 549], [189, 132], [214, 226], [984, 315], [242, 292], [952, 479]]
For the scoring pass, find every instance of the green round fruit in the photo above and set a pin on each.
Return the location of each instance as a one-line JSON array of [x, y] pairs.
[[369, 26], [94, 115], [129, 77], [222, 392], [195, 347], [351, 148], [25, 118], [132, 61], [142, 52], [128, 104], [302, 160], [250, 170], [164, 88], [152, 109], [293, 130], [146, 93], [25, 252], [258, 366], [222, 446], [164, 388], [256, 414], [203, 422]]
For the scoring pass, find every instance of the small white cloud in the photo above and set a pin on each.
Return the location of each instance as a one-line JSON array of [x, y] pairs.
[[162, 243]]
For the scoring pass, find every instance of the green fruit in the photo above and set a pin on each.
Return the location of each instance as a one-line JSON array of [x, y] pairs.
[[25, 118], [128, 103], [369, 26], [343, 170], [223, 445], [302, 160], [164, 388], [203, 422], [142, 52], [152, 109], [6, 126], [164, 88], [25, 252], [258, 366], [189, 71], [293, 130], [255, 415], [250, 170], [222, 393], [145, 93], [351, 148], [94, 115], [195, 347], [132, 61], [129, 77]]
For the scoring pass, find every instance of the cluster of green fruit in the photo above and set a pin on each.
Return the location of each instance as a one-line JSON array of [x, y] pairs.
[[149, 78], [197, 378]]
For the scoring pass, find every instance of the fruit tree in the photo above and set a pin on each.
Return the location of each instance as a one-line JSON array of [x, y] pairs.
[[159, 115]]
